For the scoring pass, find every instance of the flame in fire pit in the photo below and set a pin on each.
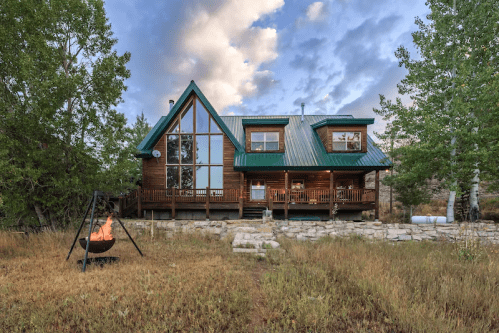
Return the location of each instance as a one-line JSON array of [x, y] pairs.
[[104, 232]]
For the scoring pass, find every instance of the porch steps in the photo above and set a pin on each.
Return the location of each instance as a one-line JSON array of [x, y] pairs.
[[250, 213]]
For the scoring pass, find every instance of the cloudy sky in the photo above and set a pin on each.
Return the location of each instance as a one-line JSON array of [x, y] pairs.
[[263, 57]]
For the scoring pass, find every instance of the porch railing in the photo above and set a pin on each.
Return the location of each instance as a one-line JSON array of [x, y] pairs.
[[185, 195], [312, 196], [322, 196]]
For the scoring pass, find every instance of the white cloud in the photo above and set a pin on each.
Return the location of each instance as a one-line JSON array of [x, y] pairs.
[[317, 11], [223, 52]]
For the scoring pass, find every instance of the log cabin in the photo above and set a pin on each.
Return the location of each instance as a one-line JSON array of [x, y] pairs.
[[199, 165]]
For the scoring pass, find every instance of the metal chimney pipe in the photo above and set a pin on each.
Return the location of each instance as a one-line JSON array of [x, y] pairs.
[[302, 111], [171, 104]]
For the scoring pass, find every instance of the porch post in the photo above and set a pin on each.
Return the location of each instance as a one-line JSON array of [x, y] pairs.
[[376, 200], [331, 189], [207, 202], [139, 202], [174, 194], [286, 195], [241, 194]]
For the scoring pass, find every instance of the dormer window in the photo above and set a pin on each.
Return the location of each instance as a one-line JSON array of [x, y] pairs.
[[264, 141], [347, 141]]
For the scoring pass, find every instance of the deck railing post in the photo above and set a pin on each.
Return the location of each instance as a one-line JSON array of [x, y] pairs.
[[331, 192], [174, 194], [241, 194], [271, 201], [207, 202], [268, 197], [376, 196], [286, 196], [139, 202]]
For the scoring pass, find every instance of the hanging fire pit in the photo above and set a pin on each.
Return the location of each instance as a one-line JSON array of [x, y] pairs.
[[97, 246], [100, 241]]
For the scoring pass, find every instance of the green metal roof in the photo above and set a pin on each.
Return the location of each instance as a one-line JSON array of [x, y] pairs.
[[271, 121], [343, 121], [303, 148], [147, 145]]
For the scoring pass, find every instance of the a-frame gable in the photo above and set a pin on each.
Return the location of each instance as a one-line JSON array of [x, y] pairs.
[[147, 145]]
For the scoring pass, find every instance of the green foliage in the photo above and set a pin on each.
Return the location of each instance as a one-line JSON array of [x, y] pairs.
[[454, 88], [59, 82], [138, 132]]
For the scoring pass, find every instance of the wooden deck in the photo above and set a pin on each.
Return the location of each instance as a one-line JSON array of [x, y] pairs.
[[276, 199]]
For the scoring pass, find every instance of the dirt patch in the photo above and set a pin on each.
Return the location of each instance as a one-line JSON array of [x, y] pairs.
[[259, 313]]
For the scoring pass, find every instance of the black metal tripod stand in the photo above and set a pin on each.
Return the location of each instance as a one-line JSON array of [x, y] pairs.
[[97, 195]]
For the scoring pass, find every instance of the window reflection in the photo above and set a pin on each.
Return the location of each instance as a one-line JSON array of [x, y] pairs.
[[202, 118], [186, 179], [202, 177], [347, 141], [186, 124], [216, 152], [172, 177], [186, 149], [172, 149], [216, 177], [214, 127], [202, 149]]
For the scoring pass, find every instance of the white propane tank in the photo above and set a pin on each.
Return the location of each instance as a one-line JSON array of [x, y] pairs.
[[428, 219]]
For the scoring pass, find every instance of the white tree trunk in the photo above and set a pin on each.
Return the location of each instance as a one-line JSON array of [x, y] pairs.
[[452, 192], [474, 212], [39, 214], [474, 208]]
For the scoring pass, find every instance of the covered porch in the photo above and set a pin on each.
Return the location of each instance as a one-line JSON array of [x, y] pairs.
[[285, 191]]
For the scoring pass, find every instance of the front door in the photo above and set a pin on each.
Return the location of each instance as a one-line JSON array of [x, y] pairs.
[[258, 189]]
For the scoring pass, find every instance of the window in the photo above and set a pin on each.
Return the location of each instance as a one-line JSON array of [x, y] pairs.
[[257, 190], [297, 184], [346, 141], [194, 150], [263, 141]]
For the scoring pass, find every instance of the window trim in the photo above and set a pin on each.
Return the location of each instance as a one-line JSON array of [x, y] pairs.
[[265, 141], [298, 180], [346, 141]]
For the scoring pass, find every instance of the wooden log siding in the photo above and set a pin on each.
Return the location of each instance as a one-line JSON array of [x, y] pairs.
[[231, 177], [326, 135], [154, 170], [265, 128]]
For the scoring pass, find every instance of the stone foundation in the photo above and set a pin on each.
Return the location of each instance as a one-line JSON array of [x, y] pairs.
[[487, 232]]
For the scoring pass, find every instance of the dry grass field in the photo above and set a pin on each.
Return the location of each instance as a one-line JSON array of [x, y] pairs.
[[193, 283]]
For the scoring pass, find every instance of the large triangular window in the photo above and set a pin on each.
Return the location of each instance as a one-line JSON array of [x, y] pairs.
[[194, 149]]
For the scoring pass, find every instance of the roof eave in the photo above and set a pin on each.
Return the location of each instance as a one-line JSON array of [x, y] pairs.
[[146, 146]]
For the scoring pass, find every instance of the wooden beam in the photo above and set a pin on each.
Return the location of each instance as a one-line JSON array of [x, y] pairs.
[[286, 195], [207, 202], [241, 194], [376, 200], [139, 202], [174, 194]]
